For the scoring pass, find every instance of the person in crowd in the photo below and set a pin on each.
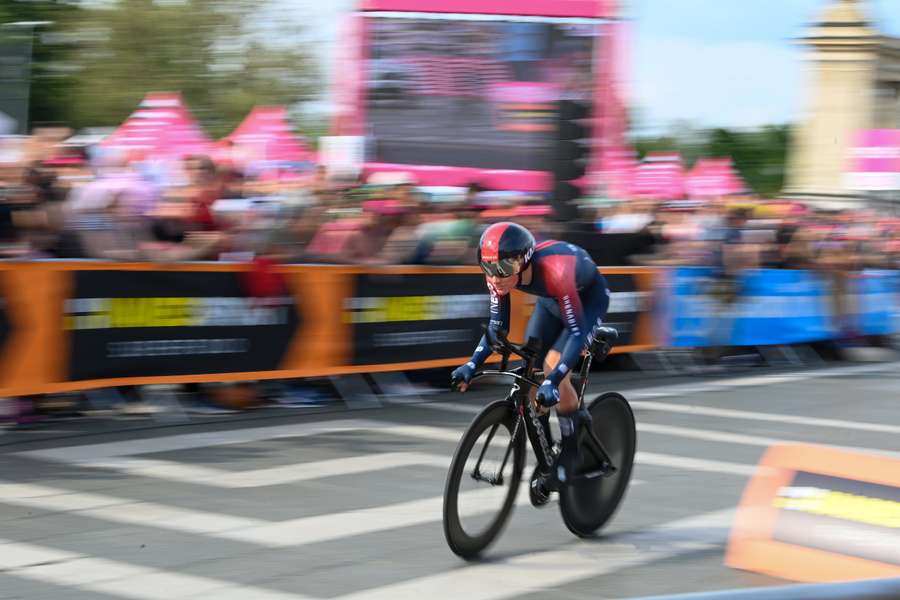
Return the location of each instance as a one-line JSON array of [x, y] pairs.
[[836, 260], [404, 246], [206, 185], [112, 232], [730, 255], [629, 217], [382, 218]]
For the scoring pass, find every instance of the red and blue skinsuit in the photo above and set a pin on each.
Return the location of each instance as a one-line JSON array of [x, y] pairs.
[[572, 299]]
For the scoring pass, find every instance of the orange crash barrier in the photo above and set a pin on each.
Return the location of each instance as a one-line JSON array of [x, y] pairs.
[[819, 514], [77, 325]]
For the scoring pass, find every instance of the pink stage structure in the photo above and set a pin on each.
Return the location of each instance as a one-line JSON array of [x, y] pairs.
[[162, 128], [619, 166], [264, 137], [713, 178], [463, 91], [660, 176]]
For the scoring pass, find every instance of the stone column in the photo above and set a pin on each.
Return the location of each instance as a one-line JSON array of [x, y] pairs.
[[842, 52]]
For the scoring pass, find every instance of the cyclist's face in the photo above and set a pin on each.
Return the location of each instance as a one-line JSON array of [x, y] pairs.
[[503, 285]]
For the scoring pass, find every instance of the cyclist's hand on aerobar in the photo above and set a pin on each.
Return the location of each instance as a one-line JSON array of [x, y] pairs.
[[548, 394], [461, 376]]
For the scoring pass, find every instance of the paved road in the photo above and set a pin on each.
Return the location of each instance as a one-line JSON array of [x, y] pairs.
[[347, 504]]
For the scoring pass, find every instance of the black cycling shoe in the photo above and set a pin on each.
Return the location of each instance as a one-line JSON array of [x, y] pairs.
[[564, 470], [537, 490]]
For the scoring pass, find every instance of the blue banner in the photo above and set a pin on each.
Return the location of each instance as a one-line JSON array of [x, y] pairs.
[[774, 306], [878, 308]]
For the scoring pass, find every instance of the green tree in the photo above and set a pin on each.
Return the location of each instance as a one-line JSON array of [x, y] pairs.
[[200, 48], [759, 155], [682, 137]]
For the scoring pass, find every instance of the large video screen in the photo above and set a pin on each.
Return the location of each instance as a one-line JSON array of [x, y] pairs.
[[472, 91]]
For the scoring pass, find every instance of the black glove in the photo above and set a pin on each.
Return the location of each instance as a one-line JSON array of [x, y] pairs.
[[462, 374]]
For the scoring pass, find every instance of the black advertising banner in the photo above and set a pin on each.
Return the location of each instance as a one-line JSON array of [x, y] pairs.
[[416, 317], [159, 323], [626, 305]]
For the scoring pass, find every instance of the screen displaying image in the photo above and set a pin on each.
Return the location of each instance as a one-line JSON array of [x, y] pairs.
[[472, 93]]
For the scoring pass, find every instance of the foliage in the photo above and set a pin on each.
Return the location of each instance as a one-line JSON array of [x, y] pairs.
[[95, 62], [201, 48], [758, 155]]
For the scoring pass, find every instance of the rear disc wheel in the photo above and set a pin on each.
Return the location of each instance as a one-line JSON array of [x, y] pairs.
[[587, 504]]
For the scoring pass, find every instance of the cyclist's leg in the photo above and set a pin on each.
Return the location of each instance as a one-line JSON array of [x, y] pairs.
[[565, 413], [546, 326], [595, 302]]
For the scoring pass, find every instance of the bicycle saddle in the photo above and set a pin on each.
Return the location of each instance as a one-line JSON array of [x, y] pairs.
[[607, 334]]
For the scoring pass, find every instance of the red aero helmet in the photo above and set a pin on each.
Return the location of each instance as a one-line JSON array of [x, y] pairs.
[[505, 249]]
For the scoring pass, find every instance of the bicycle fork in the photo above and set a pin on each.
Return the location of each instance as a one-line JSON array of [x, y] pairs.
[[497, 478]]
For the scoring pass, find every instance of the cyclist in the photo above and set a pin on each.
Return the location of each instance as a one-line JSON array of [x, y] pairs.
[[573, 299]]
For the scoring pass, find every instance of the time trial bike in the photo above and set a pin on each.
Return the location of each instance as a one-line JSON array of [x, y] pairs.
[[490, 457]]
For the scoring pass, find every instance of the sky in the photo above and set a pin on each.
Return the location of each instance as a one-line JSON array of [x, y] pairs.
[[714, 63], [732, 63]]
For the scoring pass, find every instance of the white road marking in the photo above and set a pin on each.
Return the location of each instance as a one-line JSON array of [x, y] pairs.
[[709, 435], [131, 447], [103, 576], [187, 441], [693, 464], [293, 532], [676, 390], [293, 473], [333, 526], [530, 573], [274, 534], [664, 391], [425, 432], [469, 409], [101, 453], [710, 411], [122, 510], [519, 575]]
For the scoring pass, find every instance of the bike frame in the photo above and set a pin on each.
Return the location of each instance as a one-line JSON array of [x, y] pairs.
[[527, 414]]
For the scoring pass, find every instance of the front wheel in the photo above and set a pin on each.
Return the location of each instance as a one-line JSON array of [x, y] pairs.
[[483, 480], [587, 504]]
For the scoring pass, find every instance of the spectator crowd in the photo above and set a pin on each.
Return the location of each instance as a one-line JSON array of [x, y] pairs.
[[60, 200]]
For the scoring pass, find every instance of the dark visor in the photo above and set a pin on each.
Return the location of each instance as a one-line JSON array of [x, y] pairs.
[[505, 267]]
